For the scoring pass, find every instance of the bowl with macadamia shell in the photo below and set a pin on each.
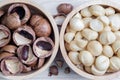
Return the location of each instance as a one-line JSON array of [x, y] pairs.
[[29, 39], [90, 40]]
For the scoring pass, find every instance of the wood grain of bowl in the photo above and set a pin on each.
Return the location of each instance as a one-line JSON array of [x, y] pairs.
[[108, 76], [35, 9]]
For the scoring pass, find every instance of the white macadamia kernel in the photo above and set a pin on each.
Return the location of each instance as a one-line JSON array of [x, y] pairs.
[[95, 48], [89, 34], [116, 45], [109, 11], [82, 43], [76, 24], [67, 46], [108, 51], [97, 10], [74, 46], [114, 22], [115, 63], [86, 21], [107, 37], [74, 57], [78, 15], [86, 58], [102, 63], [97, 72], [78, 36], [85, 12], [96, 25], [68, 29], [104, 20], [69, 36]]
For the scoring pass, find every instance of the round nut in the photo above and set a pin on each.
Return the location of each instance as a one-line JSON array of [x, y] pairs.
[[74, 57], [116, 46], [78, 15], [102, 63], [109, 11], [69, 36], [85, 12], [65, 8], [43, 47], [108, 51], [104, 20], [78, 36], [97, 10], [115, 63], [107, 37], [89, 34], [86, 58], [96, 25], [76, 24], [95, 48]]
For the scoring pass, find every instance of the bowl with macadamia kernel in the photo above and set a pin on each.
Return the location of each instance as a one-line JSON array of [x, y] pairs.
[[29, 39], [90, 40]]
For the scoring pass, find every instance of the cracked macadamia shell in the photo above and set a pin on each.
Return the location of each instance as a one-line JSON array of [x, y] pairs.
[[43, 47], [11, 66], [24, 35], [26, 55], [5, 35]]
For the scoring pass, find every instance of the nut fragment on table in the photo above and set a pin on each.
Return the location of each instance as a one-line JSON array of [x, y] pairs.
[[53, 70], [67, 70], [59, 63]]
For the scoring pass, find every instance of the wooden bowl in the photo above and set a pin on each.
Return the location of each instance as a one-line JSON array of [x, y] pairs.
[[62, 43], [35, 8]]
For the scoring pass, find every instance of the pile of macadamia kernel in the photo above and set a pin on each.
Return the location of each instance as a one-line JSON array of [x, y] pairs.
[[92, 40], [25, 40]]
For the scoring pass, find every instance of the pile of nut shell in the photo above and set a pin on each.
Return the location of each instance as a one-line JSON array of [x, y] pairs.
[[25, 40], [92, 40]]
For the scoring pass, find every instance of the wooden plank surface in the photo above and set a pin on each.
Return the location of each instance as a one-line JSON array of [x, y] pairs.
[[50, 6]]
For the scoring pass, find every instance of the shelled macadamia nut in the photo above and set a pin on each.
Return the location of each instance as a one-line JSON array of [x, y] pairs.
[[78, 15], [102, 63], [86, 58], [76, 24], [115, 63], [11, 66], [74, 57], [68, 29], [116, 45], [104, 20], [97, 10], [96, 25], [43, 47], [109, 11], [78, 36], [86, 21], [85, 12], [69, 37], [24, 35], [5, 35], [107, 37], [108, 51], [95, 48], [89, 34]]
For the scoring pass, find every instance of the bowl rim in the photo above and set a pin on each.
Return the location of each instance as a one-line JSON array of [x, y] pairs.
[[62, 45], [56, 34]]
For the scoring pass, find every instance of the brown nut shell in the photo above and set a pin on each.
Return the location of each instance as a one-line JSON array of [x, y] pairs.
[[24, 35], [65, 8], [9, 48], [22, 10], [26, 55], [39, 64], [11, 66], [5, 35], [26, 69], [43, 47], [1, 13], [5, 55]]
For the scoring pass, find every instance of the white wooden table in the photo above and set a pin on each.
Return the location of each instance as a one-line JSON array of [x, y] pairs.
[[50, 6]]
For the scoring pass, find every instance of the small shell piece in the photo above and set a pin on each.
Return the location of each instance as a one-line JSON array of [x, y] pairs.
[[107, 37], [96, 25], [97, 10], [89, 34], [104, 19], [114, 22], [85, 12], [102, 63], [69, 37], [109, 11], [95, 48], [116, 46], [86, 21], [74, 46], [108, 51], [76, 24], [97, 72], [74, 57], [86, 58], [115, 63]]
